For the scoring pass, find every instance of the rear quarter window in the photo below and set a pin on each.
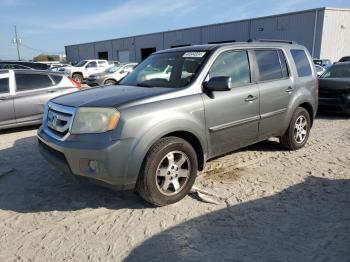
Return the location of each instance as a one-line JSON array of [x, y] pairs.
[[302, 63], [56, 78]]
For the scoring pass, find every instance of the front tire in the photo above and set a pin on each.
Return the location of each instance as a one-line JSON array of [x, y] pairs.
[[298, 131], [169, 171], [110, 82], [78, 77]]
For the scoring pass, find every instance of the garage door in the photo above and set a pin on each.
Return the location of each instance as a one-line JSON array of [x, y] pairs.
[[124, 56]]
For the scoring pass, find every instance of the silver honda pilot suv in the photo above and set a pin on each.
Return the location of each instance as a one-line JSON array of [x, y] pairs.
[[178, 109]]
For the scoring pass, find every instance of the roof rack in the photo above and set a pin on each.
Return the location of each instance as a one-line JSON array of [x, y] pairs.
[[271, 40]]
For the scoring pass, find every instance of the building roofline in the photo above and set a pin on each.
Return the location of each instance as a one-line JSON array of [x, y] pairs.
[[216, 24]]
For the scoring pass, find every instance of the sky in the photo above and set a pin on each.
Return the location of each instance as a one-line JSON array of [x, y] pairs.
[[47, 26]]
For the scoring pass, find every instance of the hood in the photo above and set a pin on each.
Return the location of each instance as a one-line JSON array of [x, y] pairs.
[[109, 96], [334, 83]]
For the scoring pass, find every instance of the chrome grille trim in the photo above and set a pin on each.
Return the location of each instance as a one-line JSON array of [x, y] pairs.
[[58, 120]]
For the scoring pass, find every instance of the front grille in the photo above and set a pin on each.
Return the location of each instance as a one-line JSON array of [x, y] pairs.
[[58, 120]]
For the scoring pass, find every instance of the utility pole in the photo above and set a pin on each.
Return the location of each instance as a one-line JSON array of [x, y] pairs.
[[17, 41]]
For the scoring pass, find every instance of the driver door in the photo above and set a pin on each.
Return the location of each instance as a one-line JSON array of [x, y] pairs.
[[91, 68], [232, 117]]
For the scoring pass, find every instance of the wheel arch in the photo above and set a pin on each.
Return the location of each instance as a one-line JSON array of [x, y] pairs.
[[309, 109]]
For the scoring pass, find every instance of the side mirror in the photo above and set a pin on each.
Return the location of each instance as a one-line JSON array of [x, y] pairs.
[[219, 83]]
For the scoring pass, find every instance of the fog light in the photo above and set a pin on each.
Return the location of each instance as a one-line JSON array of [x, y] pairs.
[[93, 165]]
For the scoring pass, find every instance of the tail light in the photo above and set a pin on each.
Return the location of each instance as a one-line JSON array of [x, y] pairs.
[[75, 83]]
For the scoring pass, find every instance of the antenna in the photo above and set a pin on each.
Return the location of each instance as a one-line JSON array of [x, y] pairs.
[[17, 41]]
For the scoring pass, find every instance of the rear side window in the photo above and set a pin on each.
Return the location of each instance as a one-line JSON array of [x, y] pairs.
[[234, 64], [26, 81], [56, 78], [272, 64], [301, 62], [4, 85]]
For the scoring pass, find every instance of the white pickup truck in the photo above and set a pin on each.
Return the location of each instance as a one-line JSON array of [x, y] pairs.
[[85, 68]]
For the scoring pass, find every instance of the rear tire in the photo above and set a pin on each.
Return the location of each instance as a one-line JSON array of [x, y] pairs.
[[298, 131], [168, 172], [78, 77]]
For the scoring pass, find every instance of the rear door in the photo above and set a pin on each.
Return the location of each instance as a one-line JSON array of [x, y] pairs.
[[276, 88], [7, 111], [232, 117], [33, 90]]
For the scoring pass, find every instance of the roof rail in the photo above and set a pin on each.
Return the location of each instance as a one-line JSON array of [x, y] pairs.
[[271, 40]]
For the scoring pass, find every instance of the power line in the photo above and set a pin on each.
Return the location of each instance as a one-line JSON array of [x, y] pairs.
[[38, 50]]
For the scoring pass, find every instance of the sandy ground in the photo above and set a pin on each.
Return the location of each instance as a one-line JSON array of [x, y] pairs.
[[274, 205]]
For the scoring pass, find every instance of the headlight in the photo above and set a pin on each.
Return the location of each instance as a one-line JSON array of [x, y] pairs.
[[94, 120]]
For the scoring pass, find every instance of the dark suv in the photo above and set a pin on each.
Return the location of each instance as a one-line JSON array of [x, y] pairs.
[[154, 131]]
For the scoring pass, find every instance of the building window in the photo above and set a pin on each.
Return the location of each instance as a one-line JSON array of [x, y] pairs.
[[146, 52]]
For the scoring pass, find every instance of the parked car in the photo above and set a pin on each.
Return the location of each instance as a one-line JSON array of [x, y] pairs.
[[153, 135], [322, 62], [58, 67], [335, 88], [344, 59], [111, 76], [22, 65], [24, 93], [85, 68], [319, 69]]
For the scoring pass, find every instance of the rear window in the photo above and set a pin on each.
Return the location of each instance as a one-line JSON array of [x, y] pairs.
[[272, 64], [26, 81], [4, 85], [301, 62]]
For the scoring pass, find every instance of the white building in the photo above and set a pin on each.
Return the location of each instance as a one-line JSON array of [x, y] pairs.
[[324, 31]]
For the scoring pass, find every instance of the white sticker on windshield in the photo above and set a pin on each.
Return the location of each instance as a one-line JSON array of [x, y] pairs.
[[194, 54]]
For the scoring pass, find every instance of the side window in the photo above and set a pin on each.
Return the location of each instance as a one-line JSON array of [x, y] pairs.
[[25, 81], [4, 85], [92, 65], [234, 64], [269, 65], [301, 62]]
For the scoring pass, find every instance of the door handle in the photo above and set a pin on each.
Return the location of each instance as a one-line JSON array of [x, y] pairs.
[[289, 89], [52, 91], [250, 98], [3, 98]]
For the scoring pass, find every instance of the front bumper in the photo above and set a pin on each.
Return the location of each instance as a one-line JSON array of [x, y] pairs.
[[73, 156], [334, 104]]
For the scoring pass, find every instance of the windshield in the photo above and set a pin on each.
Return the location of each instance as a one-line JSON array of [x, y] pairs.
[[112, 69], [175, 69], [337, 71], [81, 63]]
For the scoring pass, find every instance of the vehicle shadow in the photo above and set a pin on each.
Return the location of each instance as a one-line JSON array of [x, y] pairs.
[[19, 129], [332, 116], [306, 222], [36, 186]]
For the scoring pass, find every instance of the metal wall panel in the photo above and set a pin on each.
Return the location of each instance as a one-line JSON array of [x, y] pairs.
[[297, 27], [336, 34], [182, 37], [104, 46], [124, 44], [73, 53], [86, 51], [148, 41], [238, 31]]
